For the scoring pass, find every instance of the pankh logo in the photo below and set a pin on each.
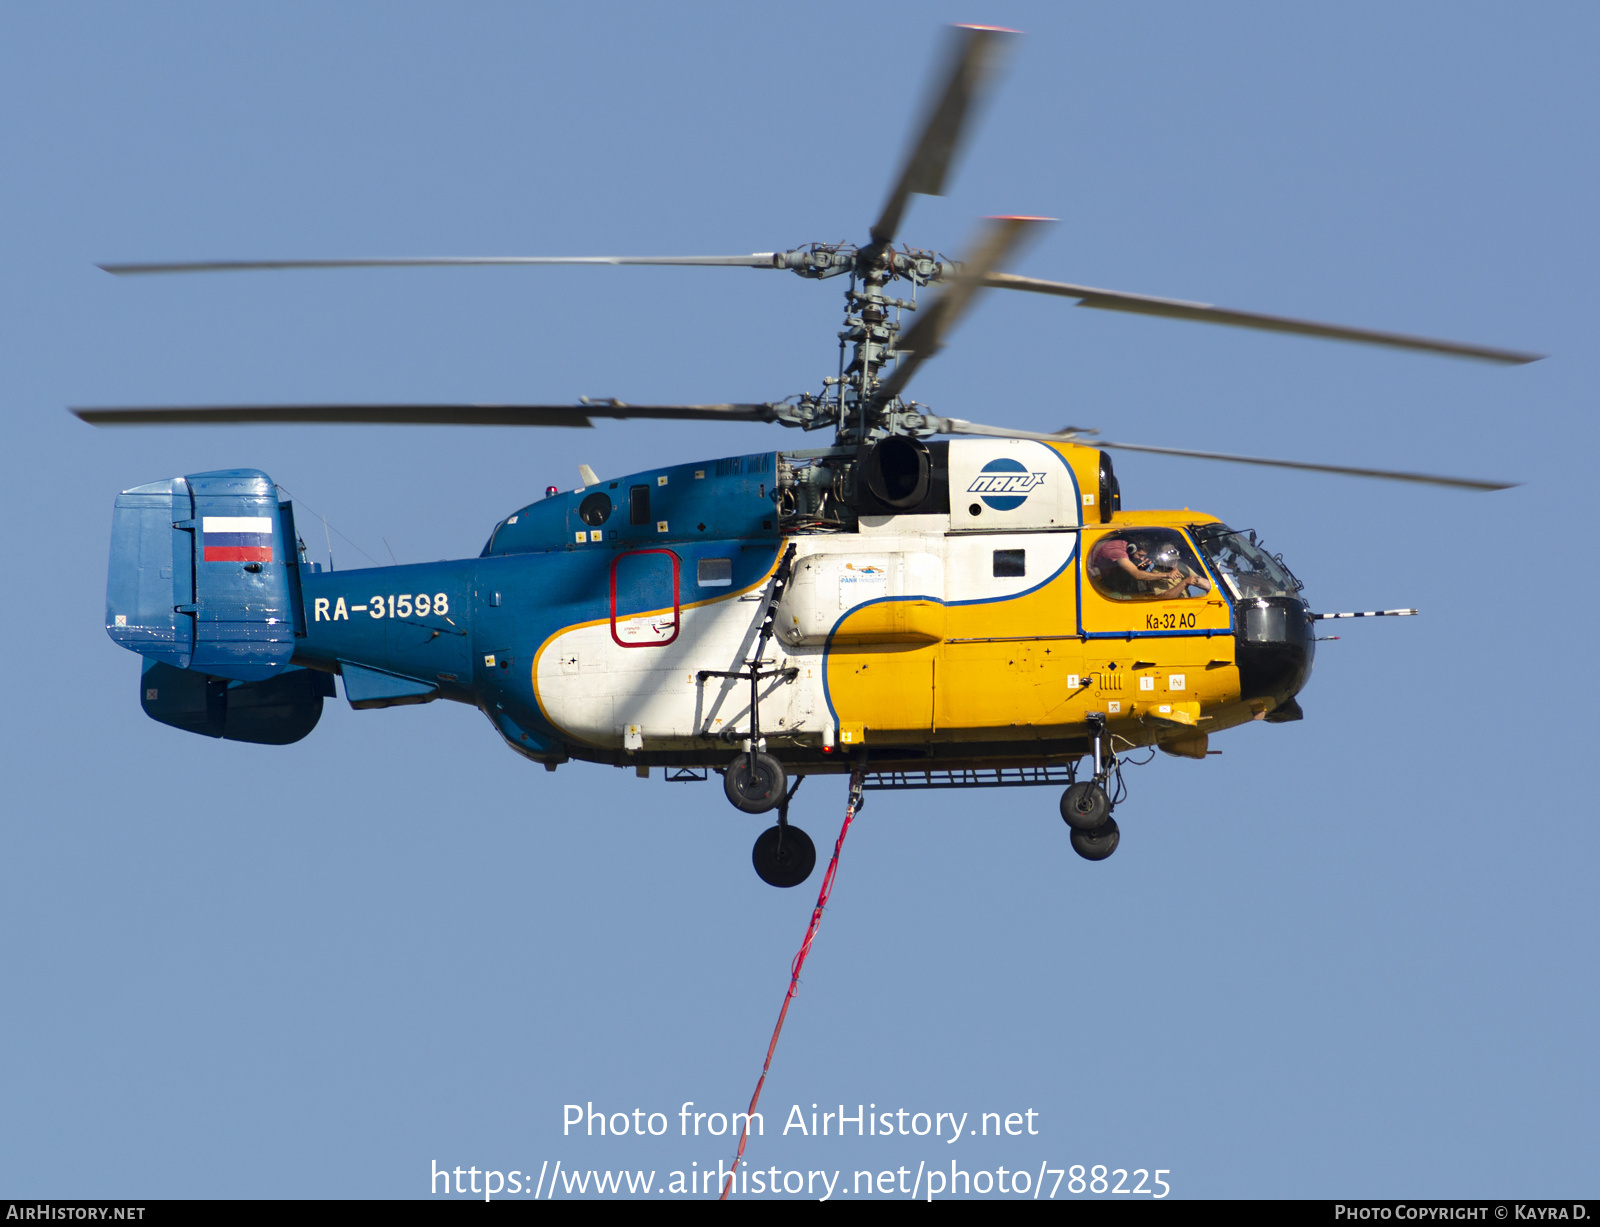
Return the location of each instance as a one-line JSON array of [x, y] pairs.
[[1004, 484]]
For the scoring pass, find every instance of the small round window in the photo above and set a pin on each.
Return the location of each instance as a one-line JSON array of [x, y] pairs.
[[595, 510], [1146, 564]]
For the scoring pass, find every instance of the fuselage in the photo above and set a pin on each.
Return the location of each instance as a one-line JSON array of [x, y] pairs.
[[981, 623]]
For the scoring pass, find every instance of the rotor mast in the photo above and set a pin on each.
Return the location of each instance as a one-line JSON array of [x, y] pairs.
[[872, 328]]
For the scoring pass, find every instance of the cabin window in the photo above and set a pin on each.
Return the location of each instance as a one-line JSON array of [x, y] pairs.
[[638, 504], [1146, 564], [1010, 564], [714, 573]]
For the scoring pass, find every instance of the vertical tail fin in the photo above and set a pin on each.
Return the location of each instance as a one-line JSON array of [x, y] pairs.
[[205, 575]]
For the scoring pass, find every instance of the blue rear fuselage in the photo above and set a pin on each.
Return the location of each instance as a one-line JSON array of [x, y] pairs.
[[469, 630]]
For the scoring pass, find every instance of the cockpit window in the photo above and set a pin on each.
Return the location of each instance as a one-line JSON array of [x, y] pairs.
[[1246, 568], [1146, 564]]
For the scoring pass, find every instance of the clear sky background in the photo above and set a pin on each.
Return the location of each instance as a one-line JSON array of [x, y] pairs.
[[1351, 956]]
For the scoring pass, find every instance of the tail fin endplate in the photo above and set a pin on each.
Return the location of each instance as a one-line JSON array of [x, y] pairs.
[[205, 575]]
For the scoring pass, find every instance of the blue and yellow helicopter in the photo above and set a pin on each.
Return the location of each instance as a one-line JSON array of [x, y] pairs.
[[979, 610]]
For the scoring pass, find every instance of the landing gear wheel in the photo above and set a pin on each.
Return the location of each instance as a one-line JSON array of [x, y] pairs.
[[1099, 843], [756, 790], [784, 856], [1085, 806]]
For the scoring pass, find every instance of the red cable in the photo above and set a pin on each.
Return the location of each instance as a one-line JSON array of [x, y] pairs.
[[794, 968]]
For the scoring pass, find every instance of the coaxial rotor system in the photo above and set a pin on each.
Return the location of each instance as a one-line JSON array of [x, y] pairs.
[[865, 400]]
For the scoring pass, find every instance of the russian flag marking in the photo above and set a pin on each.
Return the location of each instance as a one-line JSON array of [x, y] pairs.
[[237, 538]]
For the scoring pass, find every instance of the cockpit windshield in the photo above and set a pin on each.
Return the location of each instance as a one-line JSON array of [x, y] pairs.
[[1246, 568]]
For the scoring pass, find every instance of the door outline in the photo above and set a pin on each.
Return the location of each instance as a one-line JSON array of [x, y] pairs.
[[677, 613]]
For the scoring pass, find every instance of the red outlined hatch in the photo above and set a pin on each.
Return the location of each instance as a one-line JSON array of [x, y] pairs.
[[644, 598]]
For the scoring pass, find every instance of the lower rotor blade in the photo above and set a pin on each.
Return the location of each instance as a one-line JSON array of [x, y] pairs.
[[1426, 479], [760, 259], [417, 415], [1070, 434], [1206, 313]]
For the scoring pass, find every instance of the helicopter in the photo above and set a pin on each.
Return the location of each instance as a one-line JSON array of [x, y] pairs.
[[924, 602]]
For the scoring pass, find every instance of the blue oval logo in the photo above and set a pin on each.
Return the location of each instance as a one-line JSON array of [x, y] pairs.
[[1004, 484]]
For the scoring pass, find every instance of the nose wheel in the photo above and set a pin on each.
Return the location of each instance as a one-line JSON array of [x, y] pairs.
[[1086, 805], [1099, 843]]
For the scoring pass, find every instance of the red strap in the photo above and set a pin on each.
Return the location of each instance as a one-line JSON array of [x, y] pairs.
[[794, 968]]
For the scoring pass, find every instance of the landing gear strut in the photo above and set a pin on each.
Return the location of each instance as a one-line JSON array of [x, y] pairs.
[[1086, 805], [783, 855], [756, 781]]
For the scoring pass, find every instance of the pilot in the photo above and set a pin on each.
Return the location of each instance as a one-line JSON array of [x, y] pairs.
[[1121, 568]]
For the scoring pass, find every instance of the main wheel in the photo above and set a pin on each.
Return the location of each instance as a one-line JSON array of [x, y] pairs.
[[755, 789], [1085, 806], [1099, 843], [784, 856]]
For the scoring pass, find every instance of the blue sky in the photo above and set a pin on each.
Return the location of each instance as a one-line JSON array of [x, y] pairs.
[[1352, 956]]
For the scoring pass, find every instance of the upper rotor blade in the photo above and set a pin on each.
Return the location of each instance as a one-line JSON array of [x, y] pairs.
[[1206, 313], [997, 241], [760, 259], [974, 55], [418, 415], [1426, 479]]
